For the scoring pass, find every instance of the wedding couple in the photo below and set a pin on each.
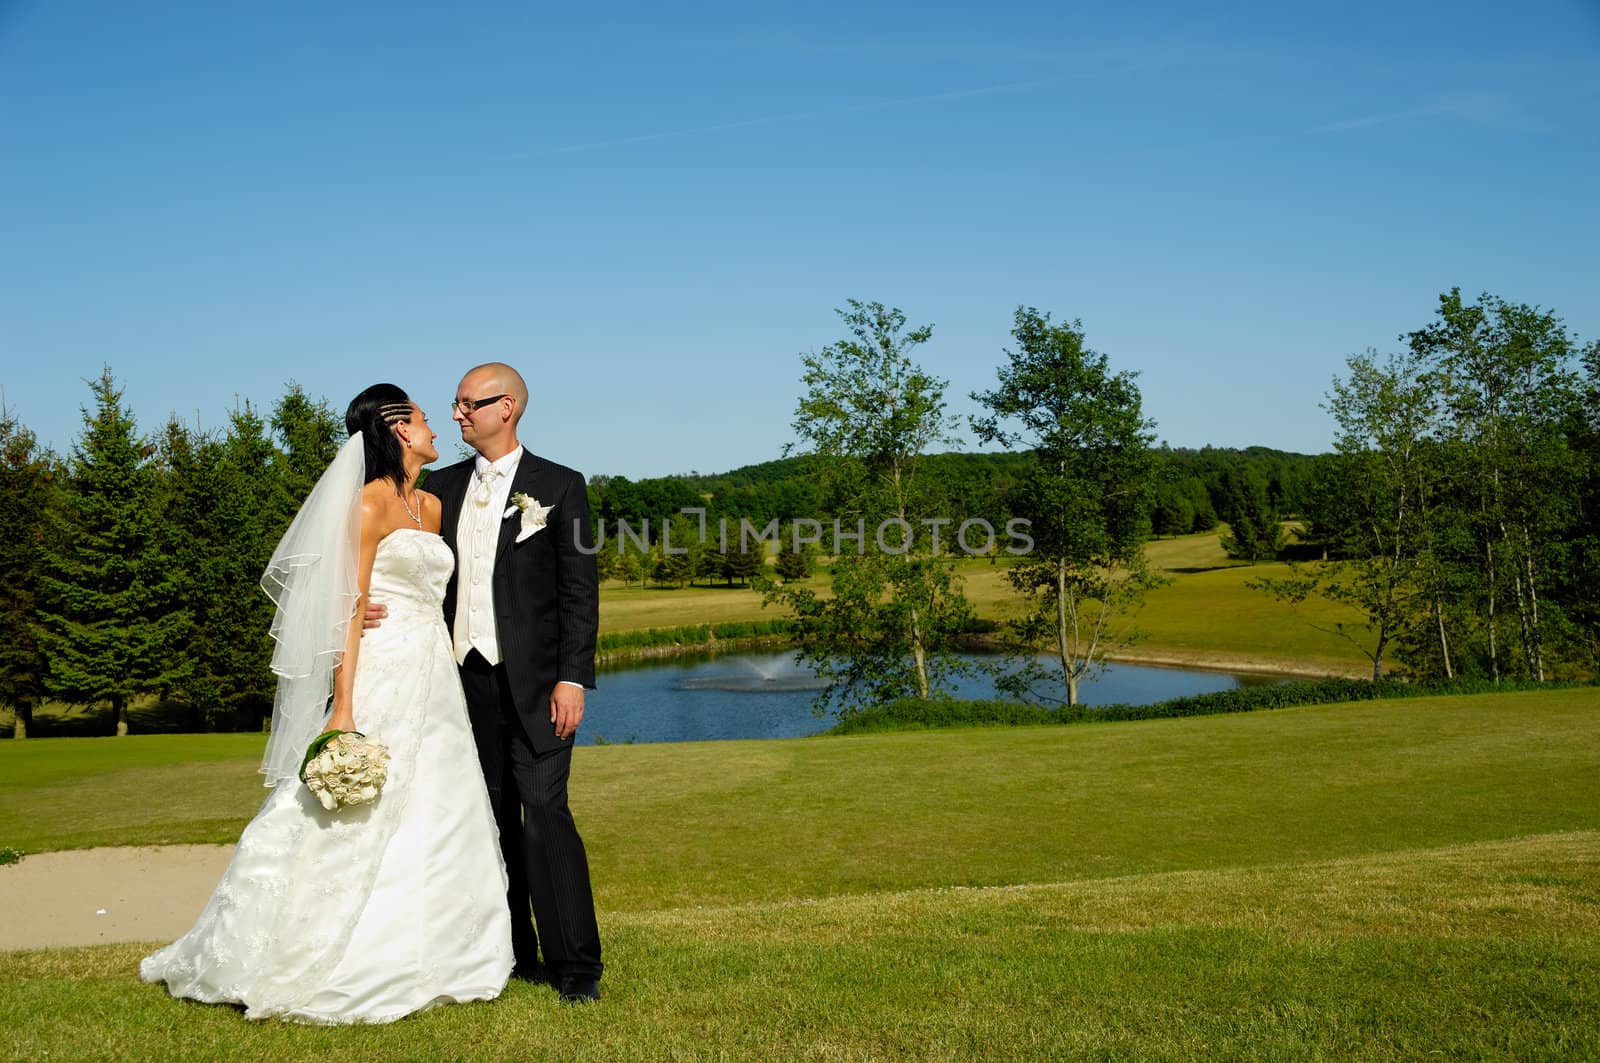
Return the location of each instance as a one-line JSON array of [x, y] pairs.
[[480, 611]]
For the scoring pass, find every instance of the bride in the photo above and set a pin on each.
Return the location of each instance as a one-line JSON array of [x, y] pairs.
[[379, 910]]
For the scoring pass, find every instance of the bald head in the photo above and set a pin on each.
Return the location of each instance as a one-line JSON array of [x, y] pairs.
[[498, 378], [490, 428]]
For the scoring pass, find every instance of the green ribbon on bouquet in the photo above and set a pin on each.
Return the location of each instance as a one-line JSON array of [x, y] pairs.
[[317, 745]]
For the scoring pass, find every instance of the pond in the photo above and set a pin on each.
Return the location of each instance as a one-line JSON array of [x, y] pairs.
[[764, 694]]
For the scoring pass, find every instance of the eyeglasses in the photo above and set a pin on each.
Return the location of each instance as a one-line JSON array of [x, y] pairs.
[[474, 405]]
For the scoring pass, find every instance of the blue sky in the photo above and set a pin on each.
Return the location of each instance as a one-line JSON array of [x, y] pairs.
[[653, 210]]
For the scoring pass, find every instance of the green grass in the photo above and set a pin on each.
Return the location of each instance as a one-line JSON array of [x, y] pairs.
[[77, 793], [1377, 880], [1489, 951], [730, 822], [1206, 615]]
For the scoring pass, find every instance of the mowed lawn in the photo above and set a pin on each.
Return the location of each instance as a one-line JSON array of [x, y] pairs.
[[729, 822], [1382, 880], [1208, 615]]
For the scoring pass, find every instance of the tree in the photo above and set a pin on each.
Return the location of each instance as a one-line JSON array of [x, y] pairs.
[[869, 413], [310, 434], [222, 507], [669, 568], [793, 565], [1454, 512], [606, 566], [743, 564], [630, 564], [1173, 513], [1508, 384], [688, 559], [1371, 504], [25, 479], [1581, 591], [1254, 530], [111, 623], [1205, 513], [1089, 493]]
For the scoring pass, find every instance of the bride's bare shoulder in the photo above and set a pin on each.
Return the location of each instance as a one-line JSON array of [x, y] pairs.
[[376, 509], [432, 510]]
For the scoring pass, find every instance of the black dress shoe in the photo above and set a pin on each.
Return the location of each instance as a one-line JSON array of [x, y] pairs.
[[532, 972], [580, 990]]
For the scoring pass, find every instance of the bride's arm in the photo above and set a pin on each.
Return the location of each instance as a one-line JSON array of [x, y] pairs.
[[344, 675]]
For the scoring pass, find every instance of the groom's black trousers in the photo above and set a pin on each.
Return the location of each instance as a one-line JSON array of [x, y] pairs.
[[545, 858]]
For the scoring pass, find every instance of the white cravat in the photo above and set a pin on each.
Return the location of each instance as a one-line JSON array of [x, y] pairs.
[[477, 542], [483, 494]]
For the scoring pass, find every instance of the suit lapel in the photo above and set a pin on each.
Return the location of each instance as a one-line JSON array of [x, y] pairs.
[[451, 500], [522, 482]]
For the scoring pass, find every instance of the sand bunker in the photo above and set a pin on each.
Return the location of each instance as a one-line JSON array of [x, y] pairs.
[[100, 896]]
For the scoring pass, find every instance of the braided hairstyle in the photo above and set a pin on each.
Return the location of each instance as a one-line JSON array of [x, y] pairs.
[[374, 413]]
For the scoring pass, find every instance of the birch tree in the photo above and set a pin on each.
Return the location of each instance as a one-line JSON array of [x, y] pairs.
[[1089, 493], [869, 415]]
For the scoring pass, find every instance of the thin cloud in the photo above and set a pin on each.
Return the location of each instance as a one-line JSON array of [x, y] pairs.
[[1370, 121], [799, 116], [1516, 112]]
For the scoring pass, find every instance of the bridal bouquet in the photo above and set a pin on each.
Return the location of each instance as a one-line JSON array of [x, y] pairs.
[[343, 768]]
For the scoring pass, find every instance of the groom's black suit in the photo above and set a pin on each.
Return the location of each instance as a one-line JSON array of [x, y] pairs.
[[547, 609]]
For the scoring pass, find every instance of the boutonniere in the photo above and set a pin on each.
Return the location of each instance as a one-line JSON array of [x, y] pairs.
[[533, 514]]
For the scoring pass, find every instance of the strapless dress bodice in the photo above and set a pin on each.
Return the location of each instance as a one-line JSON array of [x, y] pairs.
[[411, 567]]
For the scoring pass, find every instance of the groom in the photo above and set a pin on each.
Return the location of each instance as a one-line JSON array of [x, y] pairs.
[[523, 609]]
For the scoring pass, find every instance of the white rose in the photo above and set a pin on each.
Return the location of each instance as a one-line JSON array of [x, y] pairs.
[[534, 516]]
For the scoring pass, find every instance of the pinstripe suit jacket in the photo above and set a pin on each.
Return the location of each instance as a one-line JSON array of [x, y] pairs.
[[546, 591]]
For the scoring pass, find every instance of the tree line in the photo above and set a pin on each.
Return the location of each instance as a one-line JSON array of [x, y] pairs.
[[134, 562], [1460, 507], [1193, 487], [1457, 512]]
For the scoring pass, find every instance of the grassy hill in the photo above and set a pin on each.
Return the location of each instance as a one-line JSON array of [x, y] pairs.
[[1203, 616]]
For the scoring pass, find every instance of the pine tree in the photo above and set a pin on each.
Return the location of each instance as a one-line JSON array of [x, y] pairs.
[[25, 494], [222, 506], [793, 565], [311, 434], [1173, 513], [110, 622], [669, 568], [743, 565], [1205, 514], [628, 564], [1256, 534], [689, 557]]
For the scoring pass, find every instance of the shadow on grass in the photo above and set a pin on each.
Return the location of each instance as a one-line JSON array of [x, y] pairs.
[[56, 720], [1190, 570]]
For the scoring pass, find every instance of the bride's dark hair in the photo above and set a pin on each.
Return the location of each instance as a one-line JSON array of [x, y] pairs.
[[373, 413]]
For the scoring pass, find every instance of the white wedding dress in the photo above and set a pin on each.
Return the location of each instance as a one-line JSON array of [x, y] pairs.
[[380, 910]]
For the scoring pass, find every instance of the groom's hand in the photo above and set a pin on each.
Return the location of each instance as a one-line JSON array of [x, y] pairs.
[[566, 709], [373, 616]]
